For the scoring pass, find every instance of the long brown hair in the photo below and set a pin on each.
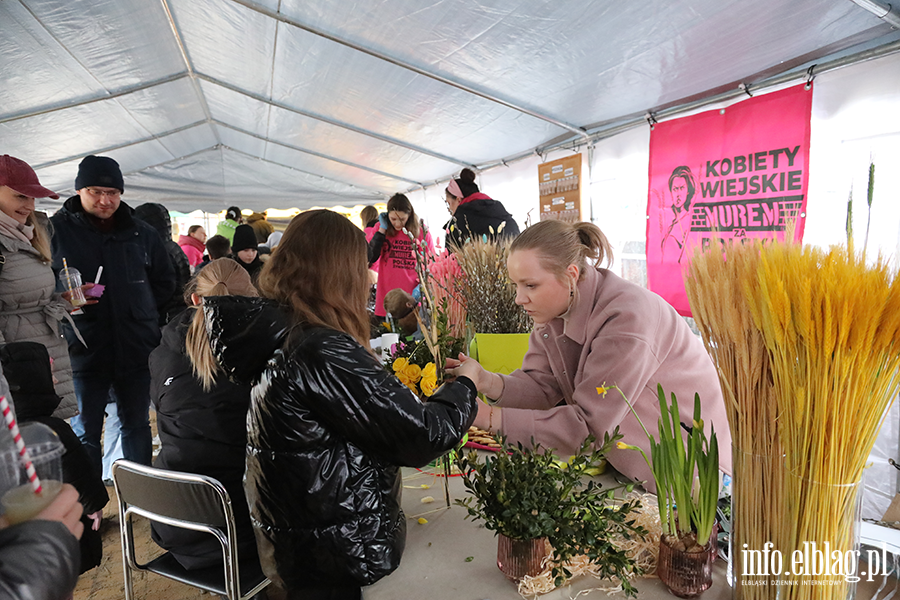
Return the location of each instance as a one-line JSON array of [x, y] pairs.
[[401, 203], [560, 244], [221, 277], [367, 215], [319, 273]]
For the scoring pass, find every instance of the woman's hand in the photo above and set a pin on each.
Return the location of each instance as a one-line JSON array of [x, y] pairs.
[[96, 518], [67, 296], [465, 367], [488, 418], [65, 509], [489, 384], [382, 222]]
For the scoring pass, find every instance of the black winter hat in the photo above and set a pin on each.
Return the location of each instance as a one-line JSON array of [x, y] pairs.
[[99, 170], [244, 238]]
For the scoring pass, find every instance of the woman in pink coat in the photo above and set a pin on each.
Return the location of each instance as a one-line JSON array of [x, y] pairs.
[[194, 245], [593, 328]]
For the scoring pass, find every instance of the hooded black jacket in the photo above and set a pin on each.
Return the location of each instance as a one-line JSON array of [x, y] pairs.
[[202, 432], [157, 216], [479, 215], [327, 429], [122, 328]]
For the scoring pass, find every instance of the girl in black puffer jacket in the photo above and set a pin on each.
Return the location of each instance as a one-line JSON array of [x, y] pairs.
[[202, 427], [328, 426]]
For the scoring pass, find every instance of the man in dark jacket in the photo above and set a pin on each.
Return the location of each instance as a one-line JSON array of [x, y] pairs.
[[95, 228], [157, 216]]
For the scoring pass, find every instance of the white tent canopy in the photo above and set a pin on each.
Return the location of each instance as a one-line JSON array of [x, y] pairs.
[[289, 103]]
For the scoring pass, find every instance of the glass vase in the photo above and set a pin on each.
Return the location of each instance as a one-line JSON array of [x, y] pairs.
[[820, 539], [756, 507], [518, 558], [686, 574]]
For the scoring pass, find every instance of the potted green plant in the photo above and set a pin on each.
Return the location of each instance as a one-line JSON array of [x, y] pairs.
[[686, 471], [541, 507]]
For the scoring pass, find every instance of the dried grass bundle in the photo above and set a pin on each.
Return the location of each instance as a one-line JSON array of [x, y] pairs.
[[488, 294], [830, 326], [715, 284]]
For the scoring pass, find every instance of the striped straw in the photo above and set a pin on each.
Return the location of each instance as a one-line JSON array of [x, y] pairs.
[[20, 444], [68, 276]]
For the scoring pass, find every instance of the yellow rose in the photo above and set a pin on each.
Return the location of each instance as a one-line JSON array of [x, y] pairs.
[[399, 364], [414, 372], [428, 385], [429, 371], [403, 378], [412, 387]]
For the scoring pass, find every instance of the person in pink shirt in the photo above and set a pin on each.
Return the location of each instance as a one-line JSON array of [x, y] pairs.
[[193, 244], [368, 216], [593, 329], [391, 249]]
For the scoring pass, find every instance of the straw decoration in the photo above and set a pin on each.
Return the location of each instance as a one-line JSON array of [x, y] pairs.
[[807, 344], [716, 290], [20, 444]]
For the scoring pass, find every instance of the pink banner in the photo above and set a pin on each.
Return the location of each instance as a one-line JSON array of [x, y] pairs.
[[722, 177]]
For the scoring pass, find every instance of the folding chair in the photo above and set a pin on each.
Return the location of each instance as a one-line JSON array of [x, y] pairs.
[[183, 500]]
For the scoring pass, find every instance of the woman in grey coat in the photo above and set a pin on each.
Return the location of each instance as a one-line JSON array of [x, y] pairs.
[[30, 308]]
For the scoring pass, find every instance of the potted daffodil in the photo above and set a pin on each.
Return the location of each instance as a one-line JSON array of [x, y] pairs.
[[685, 468]]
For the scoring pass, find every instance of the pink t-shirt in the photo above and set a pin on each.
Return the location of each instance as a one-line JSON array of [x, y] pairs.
[[397, 267]]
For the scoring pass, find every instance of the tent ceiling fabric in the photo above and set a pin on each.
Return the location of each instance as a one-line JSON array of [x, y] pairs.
[[267, 103]]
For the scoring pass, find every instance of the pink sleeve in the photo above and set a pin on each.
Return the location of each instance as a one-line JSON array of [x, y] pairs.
[[195, 257], [622, 360]]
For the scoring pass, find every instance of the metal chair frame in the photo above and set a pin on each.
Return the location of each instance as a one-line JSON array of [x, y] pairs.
[[220, 511]]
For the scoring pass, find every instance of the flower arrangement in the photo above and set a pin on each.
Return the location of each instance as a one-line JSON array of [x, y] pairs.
[[442, 275], [421, 380], [828, 322], [416, 363], [525, 494]]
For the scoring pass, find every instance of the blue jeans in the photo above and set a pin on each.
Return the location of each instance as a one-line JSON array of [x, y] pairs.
[[132, 396], [112, 437]]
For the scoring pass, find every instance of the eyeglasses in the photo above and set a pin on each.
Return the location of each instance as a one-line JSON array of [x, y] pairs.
[[108, 193]]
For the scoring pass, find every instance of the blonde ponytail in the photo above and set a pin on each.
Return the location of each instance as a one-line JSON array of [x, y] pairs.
[[221, 277]]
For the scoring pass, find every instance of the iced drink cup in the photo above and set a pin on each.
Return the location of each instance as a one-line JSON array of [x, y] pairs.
[[71, 281], [21, 503]]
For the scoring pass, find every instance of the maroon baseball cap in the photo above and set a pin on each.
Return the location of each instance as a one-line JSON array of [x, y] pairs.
[[17, 175]]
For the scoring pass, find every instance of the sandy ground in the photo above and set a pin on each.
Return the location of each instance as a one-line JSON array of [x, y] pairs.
[[106, 582]]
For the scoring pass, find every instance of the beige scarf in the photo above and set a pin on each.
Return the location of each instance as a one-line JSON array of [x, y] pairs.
[[15, 230]]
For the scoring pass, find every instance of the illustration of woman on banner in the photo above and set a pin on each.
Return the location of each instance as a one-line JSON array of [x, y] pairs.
[[682, 187]]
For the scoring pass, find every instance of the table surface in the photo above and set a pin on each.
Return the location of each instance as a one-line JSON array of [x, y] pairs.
[[434, 564]]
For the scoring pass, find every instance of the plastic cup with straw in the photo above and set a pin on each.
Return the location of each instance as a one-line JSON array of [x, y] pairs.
[[73, 284], [26, 501]]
